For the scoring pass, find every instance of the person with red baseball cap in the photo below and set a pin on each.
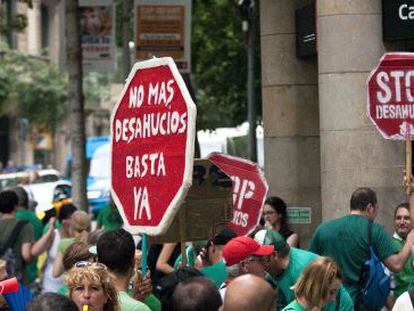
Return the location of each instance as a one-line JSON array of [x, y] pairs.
[[243, 255]]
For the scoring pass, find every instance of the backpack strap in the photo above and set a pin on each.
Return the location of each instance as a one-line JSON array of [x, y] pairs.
[[13, 236], [411, 293], [361, 275], [370, 223]]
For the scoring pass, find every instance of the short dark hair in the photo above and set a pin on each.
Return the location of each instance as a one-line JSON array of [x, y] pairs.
[[198, 293], [52, 301], [22, 197], [165, 288], [8, 201], [66, 211], [361, 197], [116, 250], [405, 205]]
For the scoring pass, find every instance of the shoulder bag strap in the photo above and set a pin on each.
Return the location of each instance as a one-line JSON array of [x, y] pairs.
[[338, 300], [14, 234]]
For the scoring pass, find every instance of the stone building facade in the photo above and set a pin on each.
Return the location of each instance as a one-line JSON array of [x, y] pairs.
[[319, 143], [44, 37]]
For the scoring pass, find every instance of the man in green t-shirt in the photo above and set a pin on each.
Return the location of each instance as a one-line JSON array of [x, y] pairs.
[[346, 240], [109, 218], [23, 248], [402, 225], [116, 250], [286, 265], [212, 264], [23, 213]]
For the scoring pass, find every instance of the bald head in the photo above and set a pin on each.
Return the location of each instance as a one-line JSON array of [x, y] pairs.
[[249, 292], [197, 293]]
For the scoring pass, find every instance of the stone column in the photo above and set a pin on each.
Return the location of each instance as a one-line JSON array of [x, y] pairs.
[[34, 32], [353, 154], [290, 113]]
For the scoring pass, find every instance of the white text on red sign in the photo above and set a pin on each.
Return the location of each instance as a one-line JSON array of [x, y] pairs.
[[395, 88], [243, 189], [151, 124]]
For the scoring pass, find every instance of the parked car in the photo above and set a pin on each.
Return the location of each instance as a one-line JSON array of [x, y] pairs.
[[44, 187], [47, 194]]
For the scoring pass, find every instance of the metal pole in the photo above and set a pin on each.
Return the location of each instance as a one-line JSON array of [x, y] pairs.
[[126, 62], [23, 124], [251, 96], [9, 20]]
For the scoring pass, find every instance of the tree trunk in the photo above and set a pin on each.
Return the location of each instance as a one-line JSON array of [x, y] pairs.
[[126, 18], [75, 101]]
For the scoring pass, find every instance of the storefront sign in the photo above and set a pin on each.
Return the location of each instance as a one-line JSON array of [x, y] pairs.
[[163, 28], [299, 215], [398, 19]]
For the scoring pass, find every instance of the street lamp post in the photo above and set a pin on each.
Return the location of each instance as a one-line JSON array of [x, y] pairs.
[[248, 10]]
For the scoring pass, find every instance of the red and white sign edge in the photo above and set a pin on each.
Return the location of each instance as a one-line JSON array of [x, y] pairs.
[[261, 175], [390, 54], [188, 173]]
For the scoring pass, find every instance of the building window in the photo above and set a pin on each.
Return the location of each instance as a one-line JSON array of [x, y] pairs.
[[44, 13]]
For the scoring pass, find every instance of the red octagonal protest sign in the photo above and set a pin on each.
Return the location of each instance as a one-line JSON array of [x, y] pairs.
[[249, 190], [152, 129], [390, 95]]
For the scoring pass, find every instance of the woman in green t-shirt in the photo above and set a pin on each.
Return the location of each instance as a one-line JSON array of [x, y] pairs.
[[317, 286]]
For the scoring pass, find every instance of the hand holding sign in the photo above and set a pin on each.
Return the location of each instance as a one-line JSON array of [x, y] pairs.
[[390, 100]]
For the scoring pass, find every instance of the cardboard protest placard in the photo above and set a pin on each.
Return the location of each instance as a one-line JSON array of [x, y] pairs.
[[206, 209]]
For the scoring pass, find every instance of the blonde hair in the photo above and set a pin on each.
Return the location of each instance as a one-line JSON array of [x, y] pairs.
[[313, 286], [96, 274], [81, 225]]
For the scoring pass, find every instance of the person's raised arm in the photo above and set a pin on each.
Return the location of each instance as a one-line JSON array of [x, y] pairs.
[[26, 254], [165, 255], [293, 240], [396, 262], [58, 268], [45, 241]]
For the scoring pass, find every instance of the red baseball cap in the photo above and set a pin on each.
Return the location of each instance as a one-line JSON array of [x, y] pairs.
[[242, 247]]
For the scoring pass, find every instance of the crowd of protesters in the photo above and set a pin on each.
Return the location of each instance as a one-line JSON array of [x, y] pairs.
[[65, 262]]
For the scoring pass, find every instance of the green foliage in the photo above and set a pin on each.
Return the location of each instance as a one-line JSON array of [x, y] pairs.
[[18, 21], [219, 64], [95, 88], [35, 87], [238, 146]]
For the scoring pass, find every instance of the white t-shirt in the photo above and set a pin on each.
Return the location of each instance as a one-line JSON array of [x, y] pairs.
[[403, 303], [51, 284]]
